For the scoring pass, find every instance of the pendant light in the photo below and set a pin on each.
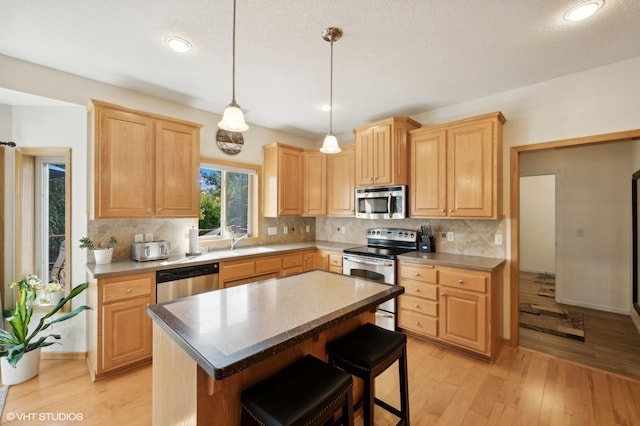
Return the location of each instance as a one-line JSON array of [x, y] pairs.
[[330, 144], [233, 119]]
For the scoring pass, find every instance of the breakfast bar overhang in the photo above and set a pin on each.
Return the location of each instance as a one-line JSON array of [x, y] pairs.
[[208, 348]]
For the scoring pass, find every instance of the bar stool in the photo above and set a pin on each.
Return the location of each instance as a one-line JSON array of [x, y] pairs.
[[307, 392], [366, 352]]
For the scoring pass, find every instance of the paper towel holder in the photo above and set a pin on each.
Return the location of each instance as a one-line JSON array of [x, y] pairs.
[[193, 243]]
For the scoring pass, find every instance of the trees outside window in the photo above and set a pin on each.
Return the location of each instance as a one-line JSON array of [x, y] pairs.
[[227, 197]]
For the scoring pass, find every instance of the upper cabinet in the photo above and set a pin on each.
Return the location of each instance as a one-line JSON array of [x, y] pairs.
[[283, 180], [314, 183], [145, 165], [341, 182], [382, 152], [456, 169]]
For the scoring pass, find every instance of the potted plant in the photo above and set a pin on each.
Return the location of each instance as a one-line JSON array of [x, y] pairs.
[[19, 347], [103, 251], [55, 292]]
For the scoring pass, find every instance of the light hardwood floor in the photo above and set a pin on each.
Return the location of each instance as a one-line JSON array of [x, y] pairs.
[[523, 387], [611, 340]]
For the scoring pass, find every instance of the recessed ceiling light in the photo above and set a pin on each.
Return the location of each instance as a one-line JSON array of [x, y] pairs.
[[178, 44], [325, 107], [583, 10]]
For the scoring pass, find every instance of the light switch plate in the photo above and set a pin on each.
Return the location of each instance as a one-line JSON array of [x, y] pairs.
[[137, 238], [498, 239], [449, 236], [308, 229], [272, 230], [285, 229]]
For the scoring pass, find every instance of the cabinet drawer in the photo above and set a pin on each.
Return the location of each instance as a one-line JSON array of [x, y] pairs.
[[237, 270], [335, 260], [272, 264], [419, 323], [113, 291], [415, 271], [417, 304], [420, 289], [467, 281], [291, 261], [292, 271]]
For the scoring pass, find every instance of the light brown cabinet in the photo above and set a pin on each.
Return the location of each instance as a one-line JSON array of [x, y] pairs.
[[456, 169], [242, 271], [283, 180], [119, 329], [314, 183], [144, 165], [456, 306], [329, 261], [341, 182], [382, 150]]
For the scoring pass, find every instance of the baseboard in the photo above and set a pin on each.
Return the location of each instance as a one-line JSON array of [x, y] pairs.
[[62, 355], [596, 307], [635, 318]]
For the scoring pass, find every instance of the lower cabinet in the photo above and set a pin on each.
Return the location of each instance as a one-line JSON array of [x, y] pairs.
[[456, 306], [119, 329], [248, 270], [329, 261]]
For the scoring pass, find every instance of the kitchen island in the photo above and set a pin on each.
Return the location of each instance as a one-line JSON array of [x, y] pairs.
[[208, 348]]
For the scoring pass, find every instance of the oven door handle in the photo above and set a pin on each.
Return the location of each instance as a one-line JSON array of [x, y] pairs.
[[368, 262]]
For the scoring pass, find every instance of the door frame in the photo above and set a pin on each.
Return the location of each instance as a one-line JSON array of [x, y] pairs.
[[514, 198]]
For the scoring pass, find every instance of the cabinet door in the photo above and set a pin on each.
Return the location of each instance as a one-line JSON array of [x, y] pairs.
[[463, 318], [309, 261], [428, 189], [124, 165], [126, 336], [177, 170], [470, 170], [382, 155], [341, 183], [314, 183], [289, 182], [364, 157]]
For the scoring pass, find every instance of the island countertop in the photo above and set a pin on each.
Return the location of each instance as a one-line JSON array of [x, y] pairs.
[[228, 330]]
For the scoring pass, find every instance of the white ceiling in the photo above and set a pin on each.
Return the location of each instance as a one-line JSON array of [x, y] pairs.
[[397, 57]]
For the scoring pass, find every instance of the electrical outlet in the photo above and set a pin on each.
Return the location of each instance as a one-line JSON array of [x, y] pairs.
[[138, 237], [285, 229], [497, 239], [308, 229], [272, 230], [148, 236], [343, 229], [449, 236]]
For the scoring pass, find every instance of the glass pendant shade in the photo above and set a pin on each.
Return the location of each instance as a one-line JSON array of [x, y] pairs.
[[233, 119], [330, 145]]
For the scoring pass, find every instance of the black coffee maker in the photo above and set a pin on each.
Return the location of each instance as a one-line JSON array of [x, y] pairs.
[[426, 242]]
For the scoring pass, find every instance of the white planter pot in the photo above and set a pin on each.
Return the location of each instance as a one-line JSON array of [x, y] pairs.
[[103, 255], [27, 368], [55, 297]]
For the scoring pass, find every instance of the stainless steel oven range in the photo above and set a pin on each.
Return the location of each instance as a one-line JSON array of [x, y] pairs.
[[377, 261]]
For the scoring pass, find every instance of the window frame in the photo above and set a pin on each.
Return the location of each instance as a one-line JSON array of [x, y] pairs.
[[254, 216]]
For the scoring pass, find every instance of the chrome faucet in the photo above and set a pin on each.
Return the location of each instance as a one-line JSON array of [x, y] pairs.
[[235, 240]]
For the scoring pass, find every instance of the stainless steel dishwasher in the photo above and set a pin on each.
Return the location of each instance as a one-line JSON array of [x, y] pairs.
[[172, 284]]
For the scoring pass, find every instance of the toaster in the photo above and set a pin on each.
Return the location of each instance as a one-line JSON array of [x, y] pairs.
[[150, 250]]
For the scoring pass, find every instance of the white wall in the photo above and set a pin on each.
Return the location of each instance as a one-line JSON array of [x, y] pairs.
[[593, 195], [538, 223]]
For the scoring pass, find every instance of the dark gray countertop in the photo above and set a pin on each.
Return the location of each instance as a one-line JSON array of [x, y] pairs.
[[455, 260], [228, 330], [133, 267]]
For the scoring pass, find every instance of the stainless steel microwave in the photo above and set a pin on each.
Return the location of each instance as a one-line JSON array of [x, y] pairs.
[[382, 202]]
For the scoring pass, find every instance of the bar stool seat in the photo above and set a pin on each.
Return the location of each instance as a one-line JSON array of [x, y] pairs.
[[307, 392], [366, 352]]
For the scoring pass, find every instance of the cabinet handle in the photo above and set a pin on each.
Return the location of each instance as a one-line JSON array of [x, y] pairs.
[[442, 294], [460, 282], [417, 290], [149, 210], [417, 322], [442, 211], [159, 209], [129, 290], [417, 306], [450, 210], [417, 274]]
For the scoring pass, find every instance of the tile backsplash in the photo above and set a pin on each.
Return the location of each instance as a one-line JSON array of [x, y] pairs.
[[470, 237]]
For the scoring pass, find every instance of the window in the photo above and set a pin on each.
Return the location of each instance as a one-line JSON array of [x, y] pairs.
[[50, 218], [228, 200]]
